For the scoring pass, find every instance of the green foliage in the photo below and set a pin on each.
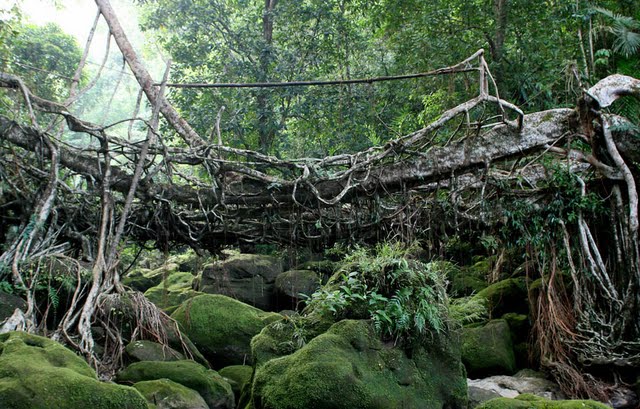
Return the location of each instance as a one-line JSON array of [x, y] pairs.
[[45, 57], [9, 23], [6, 287], [468, 310], [535, 223], [404, 298], [625, 30]]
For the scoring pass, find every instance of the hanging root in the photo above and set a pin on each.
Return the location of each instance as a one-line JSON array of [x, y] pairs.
[[127, 317], [554, 323]]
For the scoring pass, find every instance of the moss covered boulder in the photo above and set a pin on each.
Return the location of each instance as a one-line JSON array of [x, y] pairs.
[[167, 394], [172, 291], [141, 279], [238, 376], [285, 336], [527, 401], [221, 327], [213, 388], [38, 373], [291, 284], [488, 350], [349, 367], [520, 328], [506, 296], [249, 278], [468, 280], [151, 351]]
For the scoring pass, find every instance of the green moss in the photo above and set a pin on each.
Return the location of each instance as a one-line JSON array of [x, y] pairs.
[[142, 279], [505, 296], [173, 291], [37, 373], [348, 367], [468, 310], [238, 377], [527, 401], [462, 283], [488, 350], [208, 383], [166, 394], [151, 351], [285, 336], [221, 327]]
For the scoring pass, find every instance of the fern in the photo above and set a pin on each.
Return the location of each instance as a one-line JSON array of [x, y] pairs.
[[53, 296], [404, 298]]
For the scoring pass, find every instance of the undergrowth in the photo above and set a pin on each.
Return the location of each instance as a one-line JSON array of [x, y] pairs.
[[403, 297]]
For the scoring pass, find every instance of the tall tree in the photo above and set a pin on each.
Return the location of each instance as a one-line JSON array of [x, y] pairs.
[[46, 56]]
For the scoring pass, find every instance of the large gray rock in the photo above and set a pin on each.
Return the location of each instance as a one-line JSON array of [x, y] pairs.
[[249, 278], [482, 390], [293, 284], [151, 351], [8, 304]]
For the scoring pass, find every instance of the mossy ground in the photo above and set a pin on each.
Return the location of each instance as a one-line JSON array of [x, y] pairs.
[[222, 327], [527, 401], [37, 373]]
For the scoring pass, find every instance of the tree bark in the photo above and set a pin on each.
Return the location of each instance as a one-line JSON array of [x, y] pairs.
[[265, 121], [540, 130], [144, 78], [500, 15]]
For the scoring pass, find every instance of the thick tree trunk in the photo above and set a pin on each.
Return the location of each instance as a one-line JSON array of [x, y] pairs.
[[144, 78], [503, 142], [266, 124], [500, 15]]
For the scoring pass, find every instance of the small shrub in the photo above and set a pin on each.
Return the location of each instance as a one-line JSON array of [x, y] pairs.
[[404, 298]]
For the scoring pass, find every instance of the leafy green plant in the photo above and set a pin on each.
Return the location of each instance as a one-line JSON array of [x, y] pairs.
[[468, 310], [6, 287], [404, 298], [535, 224]]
